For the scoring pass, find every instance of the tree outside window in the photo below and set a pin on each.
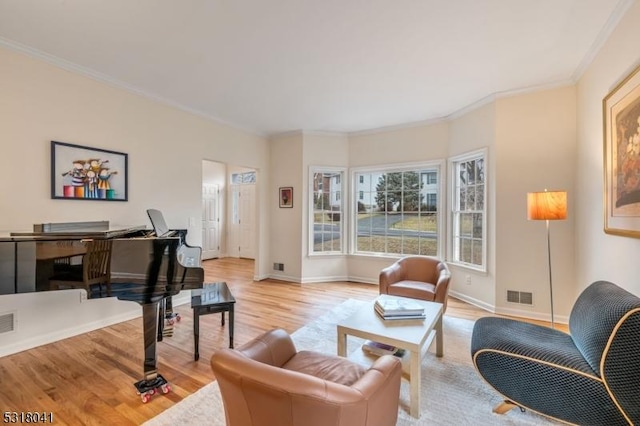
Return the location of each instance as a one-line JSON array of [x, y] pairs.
[[397, 211]]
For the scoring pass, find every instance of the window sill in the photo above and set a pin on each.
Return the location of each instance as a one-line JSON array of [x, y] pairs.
[[467, 267]]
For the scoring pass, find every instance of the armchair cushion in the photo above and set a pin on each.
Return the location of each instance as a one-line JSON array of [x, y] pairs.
[[326, 367]]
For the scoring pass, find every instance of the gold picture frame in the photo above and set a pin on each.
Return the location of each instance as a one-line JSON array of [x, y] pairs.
[[621, 113]]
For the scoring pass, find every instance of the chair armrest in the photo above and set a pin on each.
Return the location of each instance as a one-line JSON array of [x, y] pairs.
[[389, 275], [274, 347], [442, 286], [382, 378]]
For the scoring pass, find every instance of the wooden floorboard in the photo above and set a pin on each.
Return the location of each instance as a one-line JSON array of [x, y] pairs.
[[88, 379]]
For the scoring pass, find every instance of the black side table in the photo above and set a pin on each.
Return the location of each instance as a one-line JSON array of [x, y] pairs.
[[210, 299]]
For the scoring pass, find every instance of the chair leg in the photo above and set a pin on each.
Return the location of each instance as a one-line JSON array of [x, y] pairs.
[[504, 407]]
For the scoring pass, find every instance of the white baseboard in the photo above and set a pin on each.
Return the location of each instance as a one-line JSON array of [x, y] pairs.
[[44, 339], [472, 301], [363, 280], [323, 279], [287, 278], [560, 319], [519, 313]]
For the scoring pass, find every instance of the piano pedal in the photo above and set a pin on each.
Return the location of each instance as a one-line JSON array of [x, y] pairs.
[[147, 388], [167, 331]]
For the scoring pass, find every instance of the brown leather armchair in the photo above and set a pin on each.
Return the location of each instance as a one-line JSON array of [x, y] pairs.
[[417, 277], [267, 382]]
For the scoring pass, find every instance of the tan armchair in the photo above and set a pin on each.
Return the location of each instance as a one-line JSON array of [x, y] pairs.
[[417, 277], [268, 382]]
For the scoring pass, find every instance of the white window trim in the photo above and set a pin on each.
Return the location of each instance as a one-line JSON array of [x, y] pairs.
[[483, 152], [344, 199], [441, 216]]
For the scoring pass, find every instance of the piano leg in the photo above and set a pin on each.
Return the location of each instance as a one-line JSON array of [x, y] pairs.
[[160, 316], [152, 381]]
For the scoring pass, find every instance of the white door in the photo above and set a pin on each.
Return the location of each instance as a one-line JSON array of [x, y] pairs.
[[210, 221], [247, 221], [242, 226]]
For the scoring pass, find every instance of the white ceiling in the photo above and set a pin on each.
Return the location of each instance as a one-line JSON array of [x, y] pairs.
[[272, 66]]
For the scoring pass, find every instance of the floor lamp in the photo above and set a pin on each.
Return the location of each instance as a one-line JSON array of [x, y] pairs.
[[547, 205]]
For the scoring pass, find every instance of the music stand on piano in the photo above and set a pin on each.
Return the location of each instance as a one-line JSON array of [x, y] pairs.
[[188, 256]]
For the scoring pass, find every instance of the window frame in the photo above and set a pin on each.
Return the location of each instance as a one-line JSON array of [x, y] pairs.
[[438, 165], [343, 201], [453, 164]]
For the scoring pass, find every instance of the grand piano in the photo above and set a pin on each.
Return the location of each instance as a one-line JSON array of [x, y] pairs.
[[145, 269]]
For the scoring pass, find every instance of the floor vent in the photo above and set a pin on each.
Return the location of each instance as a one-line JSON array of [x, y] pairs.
[[7, 322], [522, 297]]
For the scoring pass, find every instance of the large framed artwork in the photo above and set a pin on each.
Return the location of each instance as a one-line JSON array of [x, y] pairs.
[[621, 111], [85, 173]]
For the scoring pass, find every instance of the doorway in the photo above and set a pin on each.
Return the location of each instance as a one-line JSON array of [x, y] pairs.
[[229, 218], [242, 226], [210, 221]]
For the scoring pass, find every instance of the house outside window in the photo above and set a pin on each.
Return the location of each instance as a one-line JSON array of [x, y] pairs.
[[468, 245], [397, 210], [326, 222]]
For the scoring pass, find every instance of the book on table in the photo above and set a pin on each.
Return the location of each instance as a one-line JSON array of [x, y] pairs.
[[379, 349], [389, 306], [399, 316]]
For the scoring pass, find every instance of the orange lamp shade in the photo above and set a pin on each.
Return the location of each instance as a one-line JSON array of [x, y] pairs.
[[547, 205]]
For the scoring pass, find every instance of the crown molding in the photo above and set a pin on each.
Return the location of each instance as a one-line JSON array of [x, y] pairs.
[[507, 94], [621, 9], [103, 78], [395, 127], [303, 133]]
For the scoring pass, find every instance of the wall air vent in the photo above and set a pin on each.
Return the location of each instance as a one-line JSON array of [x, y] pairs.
[[7, 322], [521, 297]]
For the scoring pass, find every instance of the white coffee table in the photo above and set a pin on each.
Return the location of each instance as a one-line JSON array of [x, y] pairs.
[[413, 336]]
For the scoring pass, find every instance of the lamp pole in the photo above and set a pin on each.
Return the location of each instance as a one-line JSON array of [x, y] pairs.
[[550, 275]]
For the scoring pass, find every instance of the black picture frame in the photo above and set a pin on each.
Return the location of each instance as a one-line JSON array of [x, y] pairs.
[[86, 173]]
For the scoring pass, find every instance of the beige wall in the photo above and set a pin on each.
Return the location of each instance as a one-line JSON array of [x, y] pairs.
[[599, 255], [41, 102], [470, 132], [286, 226], [535, 149]]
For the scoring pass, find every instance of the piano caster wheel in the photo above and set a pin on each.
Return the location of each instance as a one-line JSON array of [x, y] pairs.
[[147, 388], [172, 317], [146, 396]]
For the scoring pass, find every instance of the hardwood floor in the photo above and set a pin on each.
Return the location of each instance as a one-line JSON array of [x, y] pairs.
[[88, 379]]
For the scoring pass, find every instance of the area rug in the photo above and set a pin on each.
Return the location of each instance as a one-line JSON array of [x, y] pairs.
[[452, 391]]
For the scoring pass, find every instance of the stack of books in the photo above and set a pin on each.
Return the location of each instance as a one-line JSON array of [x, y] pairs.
[[393, 308]]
